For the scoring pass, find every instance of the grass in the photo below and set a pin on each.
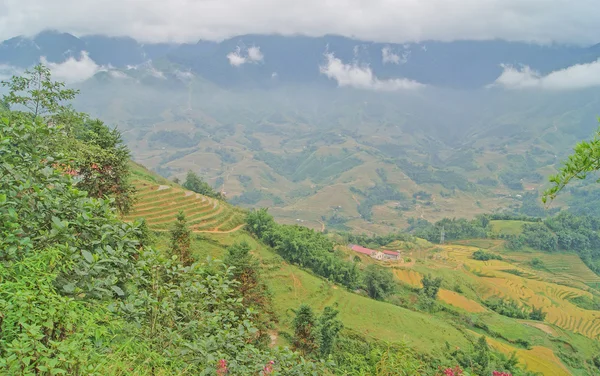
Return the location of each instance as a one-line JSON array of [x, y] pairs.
[[507, 227], [467, 283]]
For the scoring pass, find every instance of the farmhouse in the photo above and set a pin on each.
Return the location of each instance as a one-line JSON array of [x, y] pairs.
[[391, 255], [377, 255]]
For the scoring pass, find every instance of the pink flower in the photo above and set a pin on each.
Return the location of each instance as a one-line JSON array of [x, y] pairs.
[[268, 369], [222, 367], [456, 371]]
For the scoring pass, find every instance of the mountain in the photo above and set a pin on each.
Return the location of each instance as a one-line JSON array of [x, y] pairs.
[[273, 130], [296, 59]]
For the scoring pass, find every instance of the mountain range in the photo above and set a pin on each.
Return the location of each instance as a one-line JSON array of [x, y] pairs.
[[339, 133], [271, 60]]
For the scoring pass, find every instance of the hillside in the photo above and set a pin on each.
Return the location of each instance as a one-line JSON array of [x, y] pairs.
[[346, 159], [558, 345]]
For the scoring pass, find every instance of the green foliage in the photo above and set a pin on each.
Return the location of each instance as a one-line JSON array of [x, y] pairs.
[[584, 160], [482, 255], [510, 308], [180, 240], [431, 286], [82, 292], [36, 92], [195, 184], [454, 229], [304, 247], [254, 196], [379, 282], [377, 195], [329, 328], [305, 330], [101, 160], [586, 302]]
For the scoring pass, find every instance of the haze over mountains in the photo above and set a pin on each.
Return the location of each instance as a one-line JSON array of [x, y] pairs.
[[271, 60], [338, 132]]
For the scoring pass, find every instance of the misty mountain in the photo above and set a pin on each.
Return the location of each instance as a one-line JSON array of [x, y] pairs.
[[296, 59]]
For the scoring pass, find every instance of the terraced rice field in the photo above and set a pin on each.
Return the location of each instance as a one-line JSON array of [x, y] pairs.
[[160, 204], [538, 358], [458, 300], [533, 290], [409, 276]]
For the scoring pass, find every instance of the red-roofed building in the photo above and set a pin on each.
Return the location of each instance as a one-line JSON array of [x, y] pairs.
[[391, 255], [378, 255]]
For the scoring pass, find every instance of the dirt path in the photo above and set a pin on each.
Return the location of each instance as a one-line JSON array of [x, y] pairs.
[[237, 228], [219, 231]]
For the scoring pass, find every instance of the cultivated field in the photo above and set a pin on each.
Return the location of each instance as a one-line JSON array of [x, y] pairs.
[[159, 204]]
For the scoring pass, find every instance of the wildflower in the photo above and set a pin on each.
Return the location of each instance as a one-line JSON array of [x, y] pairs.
[[222, 367], [456, 371], [268, 369]]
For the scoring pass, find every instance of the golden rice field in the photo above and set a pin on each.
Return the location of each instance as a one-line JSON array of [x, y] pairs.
[[537, 359], [409, 276], [160, 204], [534, 289], [458, 300]]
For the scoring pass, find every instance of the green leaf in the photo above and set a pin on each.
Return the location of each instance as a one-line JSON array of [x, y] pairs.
[[118, 290], [2, 198], [87, 256]]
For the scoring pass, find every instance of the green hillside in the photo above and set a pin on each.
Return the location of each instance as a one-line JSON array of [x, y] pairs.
[[562, 344]]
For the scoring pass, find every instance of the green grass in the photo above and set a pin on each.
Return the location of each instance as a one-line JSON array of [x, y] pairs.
[[507, 227]]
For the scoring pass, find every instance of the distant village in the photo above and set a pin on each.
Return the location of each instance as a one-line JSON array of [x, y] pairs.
[[384, 255]]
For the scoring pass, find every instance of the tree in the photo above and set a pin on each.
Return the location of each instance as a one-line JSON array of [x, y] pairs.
[[537, 314], [259, 222], [482, 355], [329, 329], [194, 183], [180, 239], [145, 237], [305, 330], [36, 92], [102, 163], [378, 282], [584, 160], [431, 286]]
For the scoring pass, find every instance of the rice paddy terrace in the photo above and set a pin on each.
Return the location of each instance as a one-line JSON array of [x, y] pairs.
[[159, 202]]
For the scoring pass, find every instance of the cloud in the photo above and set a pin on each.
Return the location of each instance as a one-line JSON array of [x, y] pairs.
[[353, 75], [235, 58], [74, 70], [7, 71], [252, 55], [390, 21], [575, 77], [388, 56]]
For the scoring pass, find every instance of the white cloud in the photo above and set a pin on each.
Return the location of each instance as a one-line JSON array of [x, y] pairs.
[[274, 75], [252, 55], [388, 21], [74, 70], [353, 75], [388, 56], [118, 74], [235, 58], [578, 76]]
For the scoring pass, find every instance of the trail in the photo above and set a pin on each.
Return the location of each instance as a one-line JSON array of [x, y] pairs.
[[322, 225], [219, 231], [237, 228]]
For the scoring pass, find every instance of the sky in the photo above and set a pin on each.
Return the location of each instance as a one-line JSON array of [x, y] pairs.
[[398, 21]]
